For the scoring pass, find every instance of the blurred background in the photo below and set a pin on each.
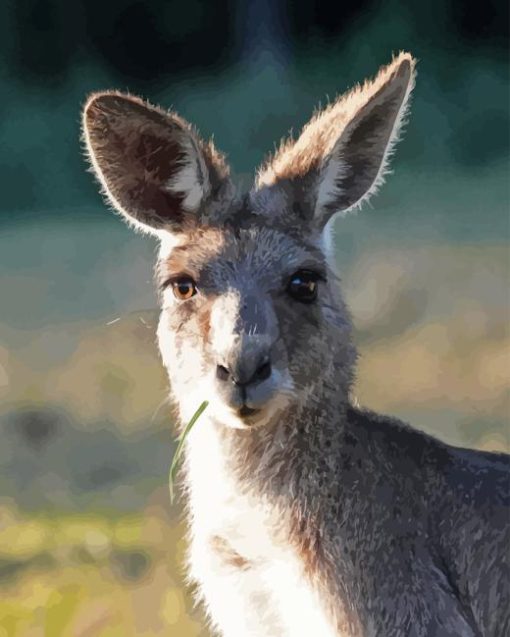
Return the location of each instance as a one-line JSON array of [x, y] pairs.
[[89, 544]]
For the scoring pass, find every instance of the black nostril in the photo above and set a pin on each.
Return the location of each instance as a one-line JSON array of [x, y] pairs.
[[222, 372], [263, 372]]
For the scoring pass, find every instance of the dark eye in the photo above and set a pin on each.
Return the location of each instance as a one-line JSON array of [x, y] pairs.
[[184, 288], [303, 286]]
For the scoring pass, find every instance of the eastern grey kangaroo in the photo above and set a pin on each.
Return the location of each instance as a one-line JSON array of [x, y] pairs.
[[308, 516]]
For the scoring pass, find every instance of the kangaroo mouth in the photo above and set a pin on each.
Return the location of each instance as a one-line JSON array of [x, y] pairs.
[[246, 412]]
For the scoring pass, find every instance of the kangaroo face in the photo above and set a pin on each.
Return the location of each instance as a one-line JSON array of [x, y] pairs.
[[252, 316], [248, 320]]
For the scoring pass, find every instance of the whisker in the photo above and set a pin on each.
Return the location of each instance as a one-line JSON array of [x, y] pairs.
[[165, 400]]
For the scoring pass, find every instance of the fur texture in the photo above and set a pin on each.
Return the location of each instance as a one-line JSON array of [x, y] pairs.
[[307, 515]]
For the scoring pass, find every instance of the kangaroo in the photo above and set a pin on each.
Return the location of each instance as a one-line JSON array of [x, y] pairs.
[[307, 514]]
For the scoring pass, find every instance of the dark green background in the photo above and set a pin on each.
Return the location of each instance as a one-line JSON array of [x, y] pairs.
[[246, 72]]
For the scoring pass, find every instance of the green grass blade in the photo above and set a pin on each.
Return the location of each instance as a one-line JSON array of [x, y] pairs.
[[180, 446]]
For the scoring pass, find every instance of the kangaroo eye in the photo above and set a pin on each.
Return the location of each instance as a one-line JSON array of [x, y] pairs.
[[184, 288], [303, 286]]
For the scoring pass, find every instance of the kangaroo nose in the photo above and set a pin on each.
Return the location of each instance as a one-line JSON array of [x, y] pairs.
[[245, 376]]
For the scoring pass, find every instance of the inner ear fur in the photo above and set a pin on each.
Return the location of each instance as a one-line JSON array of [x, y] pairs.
[[153, 167]]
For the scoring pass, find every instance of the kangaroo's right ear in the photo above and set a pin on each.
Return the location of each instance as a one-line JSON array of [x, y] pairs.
[[152, 165], [342, 154]]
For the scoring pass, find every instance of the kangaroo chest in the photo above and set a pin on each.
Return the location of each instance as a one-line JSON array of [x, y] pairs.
[[241, 543]]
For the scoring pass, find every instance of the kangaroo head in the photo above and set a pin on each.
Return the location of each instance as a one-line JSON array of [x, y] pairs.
[[252, 317]]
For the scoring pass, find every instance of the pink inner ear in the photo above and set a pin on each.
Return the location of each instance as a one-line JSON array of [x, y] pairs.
[[137, 157], [149, 202], [140, 167], [364, 151], [159, 159]]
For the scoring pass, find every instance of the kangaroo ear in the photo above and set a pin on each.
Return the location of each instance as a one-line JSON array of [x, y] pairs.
[[152, 166], [341, 156]]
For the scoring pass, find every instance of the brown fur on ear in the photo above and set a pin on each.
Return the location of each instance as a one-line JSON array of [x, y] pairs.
[[345, 147], [152, 165]]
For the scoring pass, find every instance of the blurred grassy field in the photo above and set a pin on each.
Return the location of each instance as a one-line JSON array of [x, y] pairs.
[[91, 574]]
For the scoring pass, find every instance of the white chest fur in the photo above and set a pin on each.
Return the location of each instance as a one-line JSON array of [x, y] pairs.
[[252, 581]]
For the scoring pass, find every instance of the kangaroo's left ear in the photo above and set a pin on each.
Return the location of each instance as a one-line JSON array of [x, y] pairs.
[[341, 156]]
